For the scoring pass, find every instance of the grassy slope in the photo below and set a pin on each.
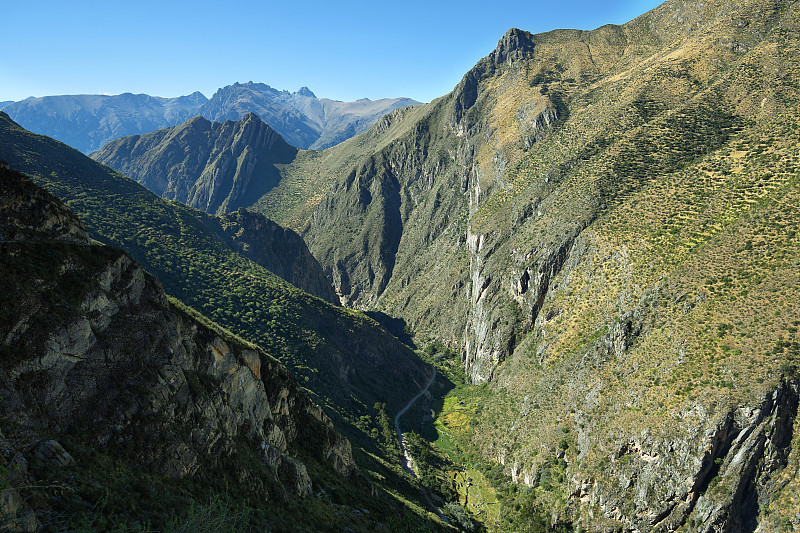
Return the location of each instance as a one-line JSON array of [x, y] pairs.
[[676, 146], [699, 214]]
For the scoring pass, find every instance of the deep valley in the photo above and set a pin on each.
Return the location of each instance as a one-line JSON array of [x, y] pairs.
[[591, 244]]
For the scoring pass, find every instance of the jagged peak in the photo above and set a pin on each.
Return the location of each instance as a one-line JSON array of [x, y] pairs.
[[251, 116], [515, 44], [305, 91], [196, 96]]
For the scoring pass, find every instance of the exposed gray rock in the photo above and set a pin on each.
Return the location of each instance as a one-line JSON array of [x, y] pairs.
[[50, 452], [31, 211], [120, 367]]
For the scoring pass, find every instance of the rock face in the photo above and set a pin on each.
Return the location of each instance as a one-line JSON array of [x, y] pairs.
[[714, 478], [280, 250], [215, 167], [92, 352], [29, 212], [88, 122]]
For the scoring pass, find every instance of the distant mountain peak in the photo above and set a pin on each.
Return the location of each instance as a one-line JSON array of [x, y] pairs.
[[87, 122], [305, 91]]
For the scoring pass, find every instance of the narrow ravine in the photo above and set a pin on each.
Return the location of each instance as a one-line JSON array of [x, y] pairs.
[[407, 462]]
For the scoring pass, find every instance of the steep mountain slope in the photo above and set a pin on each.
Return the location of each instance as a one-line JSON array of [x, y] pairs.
[[120, 406], [604, 224], [88, 121], [216, 167], [343, 356], [281, 251]]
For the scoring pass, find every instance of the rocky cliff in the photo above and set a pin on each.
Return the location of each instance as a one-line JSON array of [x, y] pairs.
[[93, 354]]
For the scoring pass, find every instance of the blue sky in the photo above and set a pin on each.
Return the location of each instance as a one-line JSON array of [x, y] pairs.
[[340, 50]]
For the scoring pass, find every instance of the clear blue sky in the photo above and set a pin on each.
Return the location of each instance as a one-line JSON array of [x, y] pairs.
[[340, 50]]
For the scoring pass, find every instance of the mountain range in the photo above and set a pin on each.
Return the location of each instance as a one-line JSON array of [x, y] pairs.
[[87, 122], [593, 238]]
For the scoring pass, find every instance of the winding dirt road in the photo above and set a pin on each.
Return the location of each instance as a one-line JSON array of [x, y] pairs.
[[408, 461]]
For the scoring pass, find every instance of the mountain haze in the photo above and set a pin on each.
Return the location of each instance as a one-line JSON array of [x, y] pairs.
[[87, 122], [301, 118]]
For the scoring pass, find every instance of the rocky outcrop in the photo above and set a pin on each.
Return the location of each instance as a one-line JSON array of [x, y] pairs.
[[31, 212], [715, 478], [94, 354], [281, 251], [495, 324], [514, 46]]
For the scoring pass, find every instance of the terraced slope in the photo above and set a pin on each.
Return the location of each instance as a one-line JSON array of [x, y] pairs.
[[603, 224]]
